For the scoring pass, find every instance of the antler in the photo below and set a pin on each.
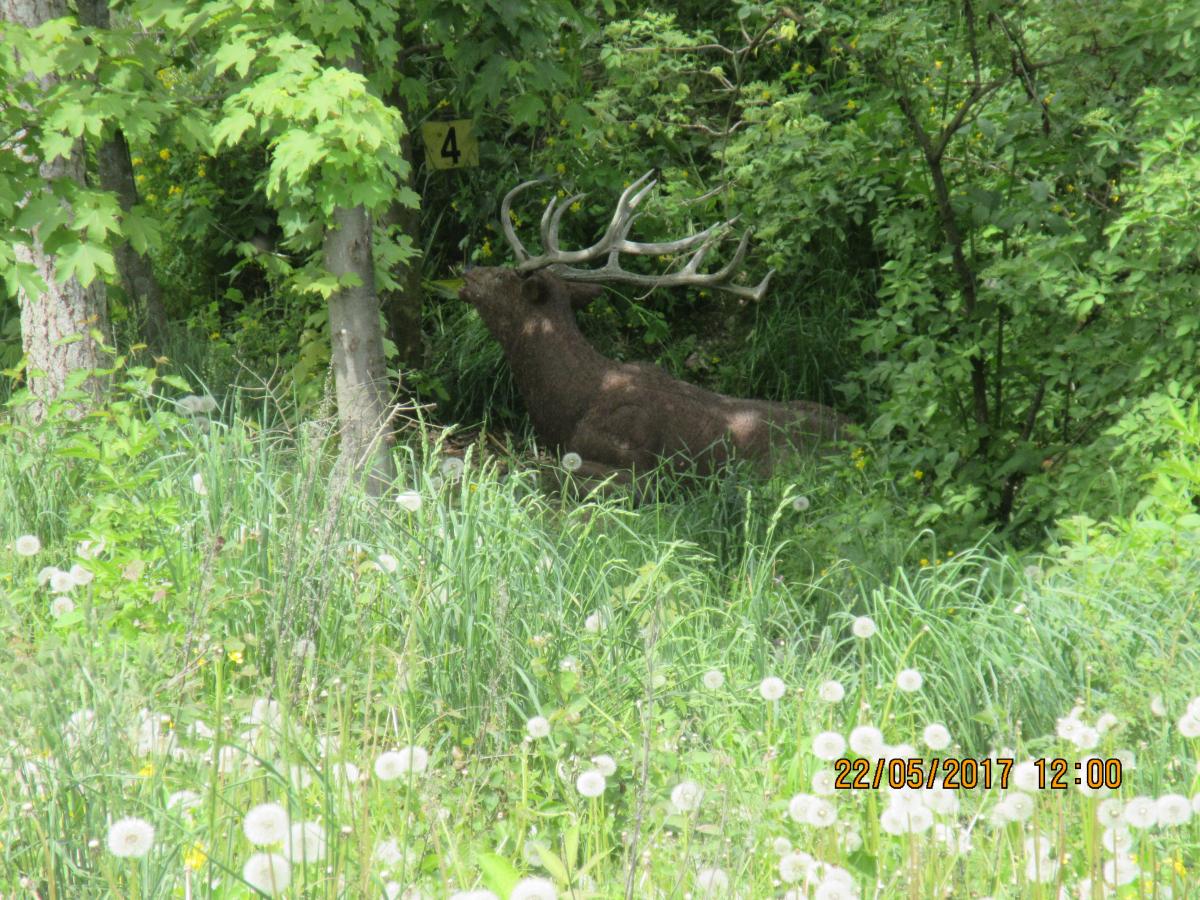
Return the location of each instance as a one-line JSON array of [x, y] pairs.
[[615, 241]]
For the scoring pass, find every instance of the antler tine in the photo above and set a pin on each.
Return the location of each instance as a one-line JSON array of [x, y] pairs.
[[510, 233], [550, 239], [547, 218]]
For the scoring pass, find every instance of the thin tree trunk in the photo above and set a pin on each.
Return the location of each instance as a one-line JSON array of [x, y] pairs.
[[402, 305], [360, 375], [116, 175], [57, 323]]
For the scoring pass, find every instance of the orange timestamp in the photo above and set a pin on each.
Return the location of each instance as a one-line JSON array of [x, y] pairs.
[[967, 774]]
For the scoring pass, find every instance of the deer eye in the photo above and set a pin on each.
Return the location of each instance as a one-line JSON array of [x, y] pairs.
[[533, 290]]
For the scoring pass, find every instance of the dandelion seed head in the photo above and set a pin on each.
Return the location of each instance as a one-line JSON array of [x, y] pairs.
[[61, 582], [306, 843], [591, 783], [409, 500], [936, 736], [27, 545], [572, 462], [800, 504], [863, 627], [909, 680], [270, 873], [605, 765], [828, 745], [867, 740], [712, 883], [713, 679], [831, 691], [538, 727], [795, 866], [687, 796], [198, 484], [1140, 812], [395, 764], [265, 824], [61, 605], [772, 688], [534, 888], [130, 838]]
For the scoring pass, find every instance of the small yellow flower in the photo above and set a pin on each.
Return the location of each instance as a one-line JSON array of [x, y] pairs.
[[560, 169], [443, 103], [949, 553], [164, 154], [150, 198], [809, 69], [924, 562], [173, 190], [146, 771], [918, 474], [850, 104], [139, 178], [201, 172], [860, 464], [562, 123], [853, 43], [236, 657], [137, 160], [472, 487], [195, 857], [576, 206], [1070, 188], [1116, 198], [486, 249], [766, 95], [937, 63]]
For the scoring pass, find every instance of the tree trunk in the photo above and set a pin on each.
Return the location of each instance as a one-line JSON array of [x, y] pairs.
[[116, 175], [360, 375], [402, 306], [56, 324]]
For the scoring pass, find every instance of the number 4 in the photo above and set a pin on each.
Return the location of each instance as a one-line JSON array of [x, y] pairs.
[[450, 149]]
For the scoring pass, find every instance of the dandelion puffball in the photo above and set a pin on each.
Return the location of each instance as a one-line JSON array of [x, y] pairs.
[[772, 688], [270, 873], [712, 883], [306, 843], [409, 500], [866, 740], [687, 796], [397, 763], [800, 504], [538, 727], [831, 691], [713, 679], [572, 462], [828, 745], [591, 783], [130, 837], [605, 764], [909, 680], [27, 545], [534, 888], [936, 736], [266, 823], [863, 627]]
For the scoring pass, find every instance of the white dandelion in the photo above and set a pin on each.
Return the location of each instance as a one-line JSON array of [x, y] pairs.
[[909, 680], [398, 763], [27, 545], [828, 745], [591, 783], [831, 691], [594, 623], [1189, 725], [605, 764], [270, 873], [130, 837], [687, 796], [936, 736], [1120, 870], [772, 688], [538, 727], [867, 740], [1017, 806], [198, 485], [534, 889], [712, 883], [713, 679], [266, 823], [572, 462], [409, 500], [89, 549], [388, 563], [184, 800], [306, 843], [1140, 812], [800, 504], [80, 575], [1116, 840], [61, 582], [821, 813], [795, 866], [824, 783], [61, 605], [452, 468], [1172, 809], [799, 806], [863, 627], [1025, 776]]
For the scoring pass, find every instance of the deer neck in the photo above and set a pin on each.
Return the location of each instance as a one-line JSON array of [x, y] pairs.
[[556, 370]]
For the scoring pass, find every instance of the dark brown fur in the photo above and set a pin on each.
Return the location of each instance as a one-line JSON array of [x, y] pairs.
[[624, 415]]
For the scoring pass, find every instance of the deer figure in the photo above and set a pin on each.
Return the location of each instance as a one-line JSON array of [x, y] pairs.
[[624, 415]]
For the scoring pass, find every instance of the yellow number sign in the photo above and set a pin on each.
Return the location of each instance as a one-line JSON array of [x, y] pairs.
[[450, 145]]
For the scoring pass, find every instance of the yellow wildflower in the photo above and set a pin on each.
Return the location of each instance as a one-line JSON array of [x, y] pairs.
[[576, 206], [937, 63], [201, 172], [137, 160], [860, 464], [146, 771], [173, 190], [918, 474], [809, 69], [150, 198], [236, 656], [766, 95], [139, 178], [850, 104], [164, 154], [924, 562], [486, 249], [560, 168], [195, 857]]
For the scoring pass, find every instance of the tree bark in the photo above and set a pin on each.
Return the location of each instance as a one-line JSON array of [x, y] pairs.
[[57, 323], [360, 375], [116, 175], [402, 306]]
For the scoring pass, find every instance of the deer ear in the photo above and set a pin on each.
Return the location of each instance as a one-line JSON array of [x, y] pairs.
[[583, 294], [534, 289]]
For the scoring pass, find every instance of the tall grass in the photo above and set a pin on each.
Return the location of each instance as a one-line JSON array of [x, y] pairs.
[[265, 633]]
